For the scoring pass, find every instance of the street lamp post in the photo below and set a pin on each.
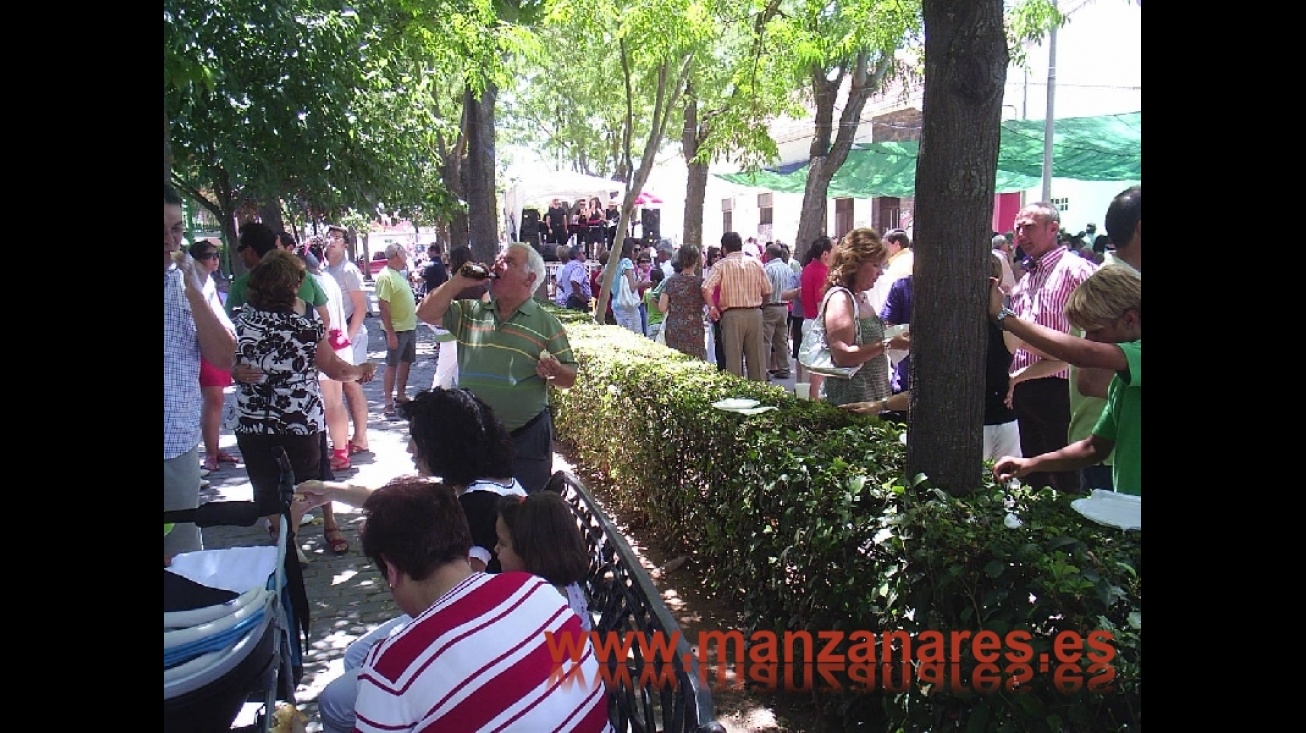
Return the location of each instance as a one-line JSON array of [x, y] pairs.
[[1049, 119]]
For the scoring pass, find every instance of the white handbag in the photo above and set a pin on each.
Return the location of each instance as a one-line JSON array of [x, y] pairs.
[[626, 297], [814, 354]]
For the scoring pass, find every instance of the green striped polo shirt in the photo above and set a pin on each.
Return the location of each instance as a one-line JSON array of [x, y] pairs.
[[497, 355]]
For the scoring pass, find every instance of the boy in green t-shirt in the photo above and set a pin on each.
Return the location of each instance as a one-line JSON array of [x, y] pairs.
[[1109, 308]]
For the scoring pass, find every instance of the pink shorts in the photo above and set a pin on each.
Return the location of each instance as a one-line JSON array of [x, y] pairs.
[[211, 376]]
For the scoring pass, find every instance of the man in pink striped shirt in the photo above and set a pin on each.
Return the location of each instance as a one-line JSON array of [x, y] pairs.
[[1042, 398], [744, 287]]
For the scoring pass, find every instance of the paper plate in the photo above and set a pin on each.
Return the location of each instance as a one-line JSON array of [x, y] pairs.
[[735, 403], [754, 410], [1112, 509]]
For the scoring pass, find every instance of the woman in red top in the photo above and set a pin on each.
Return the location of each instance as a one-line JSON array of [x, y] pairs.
[[812, 283]]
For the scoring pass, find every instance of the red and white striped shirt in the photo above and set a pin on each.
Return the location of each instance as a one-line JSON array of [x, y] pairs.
[[1041, 296], [478, 660]]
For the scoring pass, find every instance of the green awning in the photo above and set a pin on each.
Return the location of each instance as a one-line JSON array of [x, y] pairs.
[[770, 180], [1104, 148]]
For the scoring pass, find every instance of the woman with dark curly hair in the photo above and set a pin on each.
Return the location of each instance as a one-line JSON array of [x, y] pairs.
[[281, 343], [853, 330], [453, 435]]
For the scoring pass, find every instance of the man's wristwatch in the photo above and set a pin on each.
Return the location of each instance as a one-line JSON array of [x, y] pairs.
[[1002, 317]]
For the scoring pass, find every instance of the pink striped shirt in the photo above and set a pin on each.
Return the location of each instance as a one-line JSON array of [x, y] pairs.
[[477, 660], [1041, 296], [743, 283]]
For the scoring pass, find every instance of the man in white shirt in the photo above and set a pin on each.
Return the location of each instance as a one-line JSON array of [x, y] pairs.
[[901, 260], [665, 251], [1002, 248]]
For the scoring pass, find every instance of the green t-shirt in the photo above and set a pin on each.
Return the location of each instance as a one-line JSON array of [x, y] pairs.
[[310, 292], [655, 316], [1122, 421], [393, 288], [1084, 410]]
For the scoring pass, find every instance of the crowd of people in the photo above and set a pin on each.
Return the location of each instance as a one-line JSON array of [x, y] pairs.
[[757, 304], [1063, 366], [477, 525], [475, 532]]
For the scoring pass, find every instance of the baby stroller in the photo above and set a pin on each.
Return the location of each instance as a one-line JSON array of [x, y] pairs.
[[232, 637]]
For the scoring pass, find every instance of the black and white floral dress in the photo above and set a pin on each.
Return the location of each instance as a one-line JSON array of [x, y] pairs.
[[284, 410], [283, 345]]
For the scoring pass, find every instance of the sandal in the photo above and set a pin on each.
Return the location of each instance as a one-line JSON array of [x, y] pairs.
[[225, 457], [335, 538], [356, 449], [210, 464], [388, 411], [403, 399], [340, 460]]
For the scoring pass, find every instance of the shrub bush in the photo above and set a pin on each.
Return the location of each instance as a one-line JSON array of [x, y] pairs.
[[803, 518]]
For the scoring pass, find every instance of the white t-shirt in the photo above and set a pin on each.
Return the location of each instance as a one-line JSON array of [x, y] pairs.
[[335, 306]]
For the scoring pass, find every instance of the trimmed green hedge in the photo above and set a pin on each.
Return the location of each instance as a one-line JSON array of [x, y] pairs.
[[802, 517]]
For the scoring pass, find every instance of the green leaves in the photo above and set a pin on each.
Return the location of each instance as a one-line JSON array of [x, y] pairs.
[[802, 517]]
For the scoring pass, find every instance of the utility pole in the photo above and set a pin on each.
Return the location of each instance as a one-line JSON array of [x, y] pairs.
[[1049, 119]]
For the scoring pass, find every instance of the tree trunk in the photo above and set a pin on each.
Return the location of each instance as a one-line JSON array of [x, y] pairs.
[[478, 174], [696, 186], [366, 268], [830, 147], [671, 84], [815, 211], [812, 216], [965, 71], [167, 150], [270, 214]]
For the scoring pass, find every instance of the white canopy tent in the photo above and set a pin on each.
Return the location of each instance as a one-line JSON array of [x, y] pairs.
[[540, 188]]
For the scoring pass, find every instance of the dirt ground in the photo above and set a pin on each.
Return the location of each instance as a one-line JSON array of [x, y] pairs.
[[695, 609]]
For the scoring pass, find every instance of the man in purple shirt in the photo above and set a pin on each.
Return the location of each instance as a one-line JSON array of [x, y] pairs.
[[897, 312], [573, 281]]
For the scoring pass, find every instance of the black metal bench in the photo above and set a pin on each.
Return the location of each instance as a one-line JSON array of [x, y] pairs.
[[626, 601]]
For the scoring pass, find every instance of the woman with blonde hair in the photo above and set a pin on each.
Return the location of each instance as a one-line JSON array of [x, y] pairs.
[[853, 330]]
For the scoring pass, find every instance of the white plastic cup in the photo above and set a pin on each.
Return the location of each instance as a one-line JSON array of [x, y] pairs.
[[803, 390]]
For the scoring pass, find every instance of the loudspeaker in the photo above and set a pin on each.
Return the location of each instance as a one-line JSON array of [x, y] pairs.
[[550, 252], [530, 215], [530, 233], [650, 223]]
